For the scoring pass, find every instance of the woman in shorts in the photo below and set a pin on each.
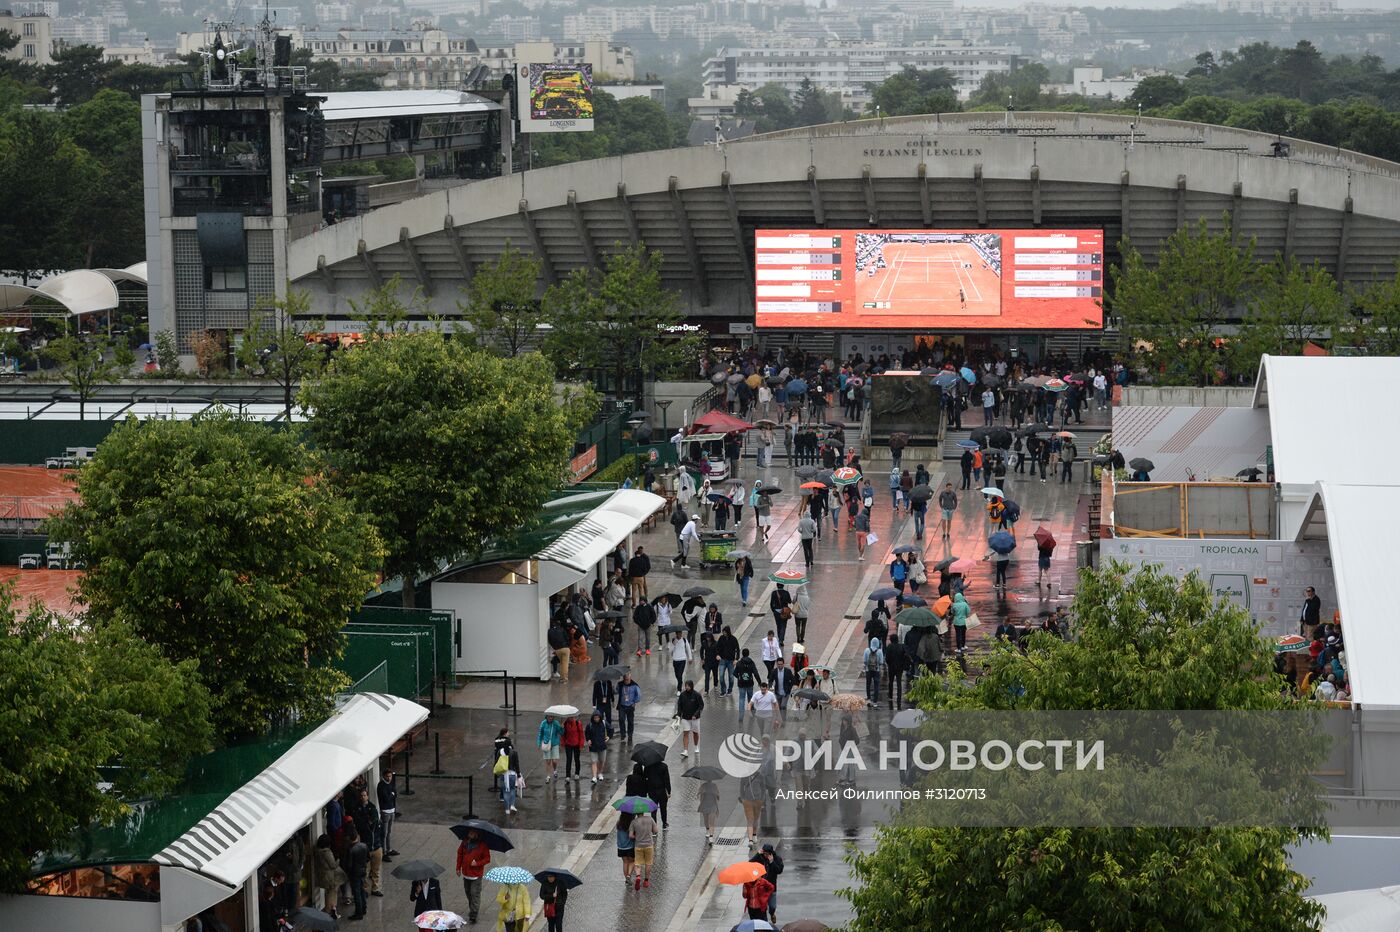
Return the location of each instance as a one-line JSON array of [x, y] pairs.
[[626, 847], [764, 508]]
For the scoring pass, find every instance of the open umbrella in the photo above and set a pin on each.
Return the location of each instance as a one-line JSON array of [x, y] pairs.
[[753, 925], [562, 710], [883, 593], [1043, 538], [509, 874], [814, 486], [612, 613], [737, 554], [765, 421], [906, 719], [446, 919], [928, 370], [1056, 385], [673, 597], [969, 444], [1030, 430], [920, 493], [308, 918], [491, 836], [797, 387], [942, 604], [848, 702], [808, 925], [845, 475], [944, 563], [700, 591], [717, 497], [736, 378], [789, 577], [754, 381], [741, 873], [1076, 377], [806, 472], [945, 379], [1002, 542], [705, 772], [814, 695], [916, 618], [649, 752], [998, 437], [1251, 473], [913, 600], [612, 671], [1139, 462], [905, 548], [770, 489], [1289, 643], [990, 380], [717, 377], [965, 565], [672, 629], [566, 879], [993, 490], [635, 804], [1064, 435], [418, 870], [968, 375]]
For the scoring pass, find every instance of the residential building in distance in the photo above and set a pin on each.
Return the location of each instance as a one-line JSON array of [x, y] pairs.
[[655, 91], [1090, 82], [851, 69], [81, 30], [1286, 9], [35, 46]]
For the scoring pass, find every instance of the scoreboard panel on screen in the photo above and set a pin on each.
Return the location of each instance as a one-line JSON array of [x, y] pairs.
[[929, 279]]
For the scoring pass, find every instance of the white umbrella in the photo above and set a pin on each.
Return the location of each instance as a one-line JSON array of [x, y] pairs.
[[563, 711]]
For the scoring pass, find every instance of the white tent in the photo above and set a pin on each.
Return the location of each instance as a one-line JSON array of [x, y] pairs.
[[1376, 910]]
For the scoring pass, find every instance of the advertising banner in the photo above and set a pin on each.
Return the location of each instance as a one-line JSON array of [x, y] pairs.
[[555, 98], [929, 279]]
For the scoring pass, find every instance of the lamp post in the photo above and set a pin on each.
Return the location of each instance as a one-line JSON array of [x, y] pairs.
[[663, 404]]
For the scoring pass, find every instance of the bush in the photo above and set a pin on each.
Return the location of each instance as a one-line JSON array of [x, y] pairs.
[[620, 469]]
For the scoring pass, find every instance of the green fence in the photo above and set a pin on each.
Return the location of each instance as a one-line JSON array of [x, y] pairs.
[[447, 640], [405, 650], [12, 547], [607, 433], [29, 443]]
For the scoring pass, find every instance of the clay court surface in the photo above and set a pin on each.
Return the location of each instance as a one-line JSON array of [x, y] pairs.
[[31, 492], [52, 588], [924, 280]]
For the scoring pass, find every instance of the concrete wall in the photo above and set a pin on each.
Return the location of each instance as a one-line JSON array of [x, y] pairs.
[[1181, 396], [681, 395], [500, 625]]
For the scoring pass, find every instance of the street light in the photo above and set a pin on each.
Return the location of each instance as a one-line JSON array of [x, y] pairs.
[[663, 405]]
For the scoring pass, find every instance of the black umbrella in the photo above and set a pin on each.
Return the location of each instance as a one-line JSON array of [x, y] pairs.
[[914, 600], [825, 478], [805, 472], [649, 752], [1252, 472], [991, 381], [494, 838], [566, 879], [705, 773], [672, 629], [612, 672], [671, 597], [920, 493], [943, 564], [308, 918], [770, 489], [998, 437], [418, 870], [816, 695], [1030, 430], [698, 591], [1141, 463], [612, 613]]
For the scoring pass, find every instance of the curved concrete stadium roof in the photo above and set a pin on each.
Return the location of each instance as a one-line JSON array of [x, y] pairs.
[[700, 206]]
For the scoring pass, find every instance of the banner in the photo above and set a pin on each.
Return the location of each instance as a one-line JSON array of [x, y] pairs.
[[555, 98], [583, 465]]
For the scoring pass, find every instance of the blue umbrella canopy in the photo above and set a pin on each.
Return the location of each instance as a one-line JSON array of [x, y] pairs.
[[968, 374], [945, 379], [510, 875], [969, 444], [880, 595], [797, 386], [1002, 542], [915, 601]]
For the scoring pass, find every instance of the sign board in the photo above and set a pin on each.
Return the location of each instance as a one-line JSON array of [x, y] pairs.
[[1265, 577], [555, 98], [583, 465], [929, 279]]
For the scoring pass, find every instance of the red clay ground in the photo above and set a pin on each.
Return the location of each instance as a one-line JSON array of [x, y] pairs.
[[925, 280], [52, 588], [33, 491]]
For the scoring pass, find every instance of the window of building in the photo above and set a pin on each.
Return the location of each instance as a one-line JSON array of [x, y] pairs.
[[29, 31], [30, 51], [225, 278]]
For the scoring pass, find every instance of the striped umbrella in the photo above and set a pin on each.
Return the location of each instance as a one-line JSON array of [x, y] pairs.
[[845, 475], [789, 577]]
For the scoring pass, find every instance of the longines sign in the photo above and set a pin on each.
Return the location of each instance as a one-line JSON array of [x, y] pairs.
[[923, 147]]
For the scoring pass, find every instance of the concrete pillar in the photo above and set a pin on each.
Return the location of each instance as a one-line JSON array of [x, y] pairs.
[[1124, 205], [1344, 240], [1035, 195]]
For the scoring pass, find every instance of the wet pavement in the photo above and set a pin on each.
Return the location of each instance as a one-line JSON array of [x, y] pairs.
[[570, 825]]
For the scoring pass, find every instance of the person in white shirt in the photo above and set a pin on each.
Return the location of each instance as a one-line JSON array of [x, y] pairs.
[[771, 653], [681, 654], [690, 534], [989, 404], [1101, 391], [764, 706]]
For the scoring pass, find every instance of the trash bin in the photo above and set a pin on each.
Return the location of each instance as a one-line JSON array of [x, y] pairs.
[[1085, 552]]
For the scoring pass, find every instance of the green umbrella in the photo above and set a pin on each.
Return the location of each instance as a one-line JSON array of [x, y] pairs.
[[917, 618]]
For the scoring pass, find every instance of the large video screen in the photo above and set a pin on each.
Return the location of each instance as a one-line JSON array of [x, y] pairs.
[[929, 279], [555, 98]]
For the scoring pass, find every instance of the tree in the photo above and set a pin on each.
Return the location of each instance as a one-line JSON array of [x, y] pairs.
[[167, 352], [1144, 640], [621, 320], [1378, 306], [220, 540], [913, 92], [1021, 87], [276, 345], [1293, 305], [442, 445], [809, 104], [88, 705], [82, 362], [77, 73], [501, 306], [1162, 90], [108, 128], [45, 178], [1201, 282]]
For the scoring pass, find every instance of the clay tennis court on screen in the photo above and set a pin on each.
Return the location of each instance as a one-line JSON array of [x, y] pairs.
[[919, 276]]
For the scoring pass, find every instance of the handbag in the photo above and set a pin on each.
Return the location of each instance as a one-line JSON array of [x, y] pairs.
[[972, 620], [502, 764], [550, 910]]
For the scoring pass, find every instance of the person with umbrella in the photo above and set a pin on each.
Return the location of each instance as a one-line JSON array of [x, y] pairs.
[[1045, 549], [642, 831], [692, 611], [763, 510], [516, 906], [965, 464], [658, 780], [1000, 545], [1068, 453], [473, 857], [425, 895], [896, 663], [549, 737]]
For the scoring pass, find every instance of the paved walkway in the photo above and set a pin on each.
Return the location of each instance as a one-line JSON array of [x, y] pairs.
[[571, 825]]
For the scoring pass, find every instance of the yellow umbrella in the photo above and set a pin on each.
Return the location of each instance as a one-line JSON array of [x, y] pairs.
[[754, 381]]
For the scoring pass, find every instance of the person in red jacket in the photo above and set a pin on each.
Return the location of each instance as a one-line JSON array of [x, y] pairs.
[[472, 858], [756, 894], [573, 747]]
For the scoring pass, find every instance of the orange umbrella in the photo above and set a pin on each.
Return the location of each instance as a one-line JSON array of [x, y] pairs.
[[941, 605], [814, 485], [741, 873]]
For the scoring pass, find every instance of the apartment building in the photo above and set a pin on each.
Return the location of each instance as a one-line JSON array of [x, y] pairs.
[[35, 33]]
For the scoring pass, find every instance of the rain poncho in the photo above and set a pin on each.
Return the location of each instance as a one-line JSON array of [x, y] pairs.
[[514, 900], [960, 610]]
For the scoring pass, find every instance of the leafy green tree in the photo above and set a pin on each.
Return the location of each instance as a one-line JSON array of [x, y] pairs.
[[621, 320], [87, 704], [1201, 282], [1021, 87], [167, 353], [46, 179], [1301, 71], [82, 362], [1161, 90], [77, 73], [441, 444], [1144, 640], [108, 129], [913, 92], [1378, 306], [504, 313], [1293, 305], [221, 541], [276, 346]]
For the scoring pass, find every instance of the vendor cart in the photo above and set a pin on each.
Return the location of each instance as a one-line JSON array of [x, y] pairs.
[[715, 547]]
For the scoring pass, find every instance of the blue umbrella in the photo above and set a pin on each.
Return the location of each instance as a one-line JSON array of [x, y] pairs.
[[510, 875], [969, 444], [753, 925], [945, 379], [968, 374], [880, 595], [146, 346], [717, 497], [797, 387], [1002, 542], [905, 548], [913, 600]]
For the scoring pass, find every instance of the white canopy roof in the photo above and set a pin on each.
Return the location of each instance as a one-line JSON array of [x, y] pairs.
[[1325, 417], [1376, 910], [81, 291], [368, 105], [597, 535], [249, 826], [1363, 568]]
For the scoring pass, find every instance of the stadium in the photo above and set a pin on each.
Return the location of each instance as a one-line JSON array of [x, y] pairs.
[[701, 207]]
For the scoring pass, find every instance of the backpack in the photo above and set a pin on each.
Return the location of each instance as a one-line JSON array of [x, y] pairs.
[[872, 661], [1013, 511]]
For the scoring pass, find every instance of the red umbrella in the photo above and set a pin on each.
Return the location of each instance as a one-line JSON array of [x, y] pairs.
[[1044, 539]]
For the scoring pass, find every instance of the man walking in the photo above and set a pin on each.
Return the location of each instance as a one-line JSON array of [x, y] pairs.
[[807, 531], [947, 505], [745, 675], [965, 463], [689, 705], [628, 695], [644, 616], [727, 647], [780, 603]]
